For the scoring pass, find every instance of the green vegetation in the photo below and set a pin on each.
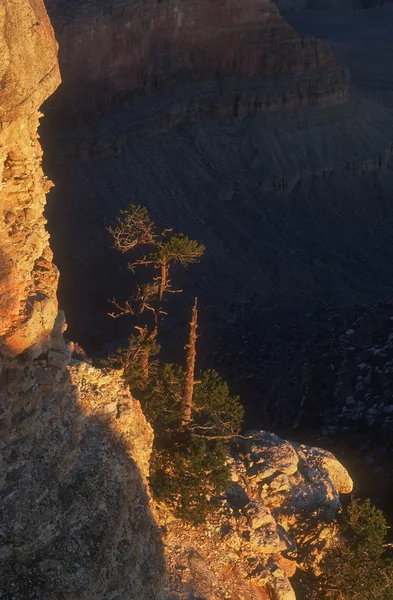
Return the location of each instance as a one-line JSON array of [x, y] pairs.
[[135, 231], [188, 468], [193, 421], [357, 566]]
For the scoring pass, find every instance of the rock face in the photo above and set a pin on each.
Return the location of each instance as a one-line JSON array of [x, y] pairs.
[[76, 519], [247, 53], [295, 5], [279, 507], [29, 74], [75, 446]]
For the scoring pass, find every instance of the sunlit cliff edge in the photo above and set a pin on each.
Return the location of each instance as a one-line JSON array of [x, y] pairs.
[[77, 518]]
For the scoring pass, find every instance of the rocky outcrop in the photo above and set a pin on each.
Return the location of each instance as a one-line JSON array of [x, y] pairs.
[[76, 519], [277, 515], [75, 446], [28, 75], [247, 54]]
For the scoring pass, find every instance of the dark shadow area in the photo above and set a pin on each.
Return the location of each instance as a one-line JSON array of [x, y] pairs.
[[295, 212], [75, 517]]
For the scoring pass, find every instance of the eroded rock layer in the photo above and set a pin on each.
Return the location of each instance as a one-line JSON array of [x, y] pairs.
[[295, 5], [112, 50], [28, 74]]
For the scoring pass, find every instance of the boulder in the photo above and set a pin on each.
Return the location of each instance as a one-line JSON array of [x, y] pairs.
[[270, 454]]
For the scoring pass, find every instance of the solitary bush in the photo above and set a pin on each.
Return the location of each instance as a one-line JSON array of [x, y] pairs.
[[190, 473], [357, 567]]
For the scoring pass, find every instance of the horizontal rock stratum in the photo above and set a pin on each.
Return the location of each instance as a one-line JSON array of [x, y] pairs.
[[122, 49]]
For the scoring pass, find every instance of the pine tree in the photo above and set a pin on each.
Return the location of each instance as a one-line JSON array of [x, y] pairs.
[[133, 230]]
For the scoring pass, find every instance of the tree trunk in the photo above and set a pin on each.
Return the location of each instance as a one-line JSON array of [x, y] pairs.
[[145, 363], [190, 368], [160, 293]]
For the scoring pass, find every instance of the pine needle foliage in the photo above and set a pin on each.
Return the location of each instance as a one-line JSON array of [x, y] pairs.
[[215, 408], [178, 248], [190, 474], [357, 566], [188, 467]]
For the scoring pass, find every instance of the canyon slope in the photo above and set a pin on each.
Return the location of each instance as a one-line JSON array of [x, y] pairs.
[[77, 519], [292, 204], [283, 171]]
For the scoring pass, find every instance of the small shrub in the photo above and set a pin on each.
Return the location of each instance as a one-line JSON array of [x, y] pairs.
[[190, 474], [357, 566], [188, 467]]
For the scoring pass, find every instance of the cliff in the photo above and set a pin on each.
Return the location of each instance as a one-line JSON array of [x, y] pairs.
[[28, 279], [77, 520], [241, 57]]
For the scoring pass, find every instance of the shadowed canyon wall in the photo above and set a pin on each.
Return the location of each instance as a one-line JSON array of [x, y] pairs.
[[295, 5], [245, 50]]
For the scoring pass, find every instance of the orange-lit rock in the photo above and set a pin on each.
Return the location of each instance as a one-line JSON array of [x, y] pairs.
[[28, 75], [255, 542]]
